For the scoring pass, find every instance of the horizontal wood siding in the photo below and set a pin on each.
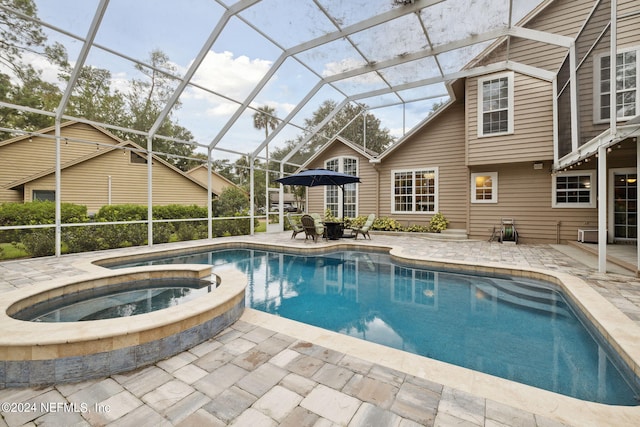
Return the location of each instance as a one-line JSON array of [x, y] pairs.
[[87, 183], [218, 184], [524, 194], [439, 144], [561, 17], [532, 139], [366, 191], [28, 157], [628, 37]]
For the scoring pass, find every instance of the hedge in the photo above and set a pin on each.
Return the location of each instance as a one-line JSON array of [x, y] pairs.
[[41, 242]]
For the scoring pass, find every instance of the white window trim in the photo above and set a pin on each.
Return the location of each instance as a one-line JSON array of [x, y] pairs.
[[510, 112], [596, 84], [592, 195], [494, 187], [340, 160], [436, 194]]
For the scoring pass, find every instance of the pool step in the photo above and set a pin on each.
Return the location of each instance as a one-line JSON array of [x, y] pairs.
[[529, 296]]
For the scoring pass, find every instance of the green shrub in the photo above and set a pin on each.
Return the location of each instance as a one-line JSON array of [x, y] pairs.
[[122, 235], [417, 229], [386, 224], [438, 223], [83, 239], [35, 213], [40, 242]]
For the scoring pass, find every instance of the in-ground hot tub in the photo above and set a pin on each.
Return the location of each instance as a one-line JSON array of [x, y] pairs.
[[38, 353]]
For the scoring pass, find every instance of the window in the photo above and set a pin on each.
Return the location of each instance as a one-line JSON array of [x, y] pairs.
[[626, 86], [415, 191], [138, 159], [484, 187], [574, 189], [342, 205], [44, 195], [495, 105]]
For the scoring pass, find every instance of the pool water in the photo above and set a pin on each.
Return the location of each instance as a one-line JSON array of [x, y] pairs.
[[121, 300], [519, 329]]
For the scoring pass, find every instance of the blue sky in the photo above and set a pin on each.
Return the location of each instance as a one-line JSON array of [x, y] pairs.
[[241, 57]]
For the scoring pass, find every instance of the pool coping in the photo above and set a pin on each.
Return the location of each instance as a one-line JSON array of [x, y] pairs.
[[38, 353], [619, 331]]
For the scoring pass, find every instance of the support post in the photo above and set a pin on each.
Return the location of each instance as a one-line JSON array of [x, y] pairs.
[[58, 193], [602, 209], [209, 198], [150, 190], [252, 195]]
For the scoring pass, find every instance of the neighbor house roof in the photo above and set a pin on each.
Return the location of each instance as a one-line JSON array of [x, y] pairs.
[[106, 149]]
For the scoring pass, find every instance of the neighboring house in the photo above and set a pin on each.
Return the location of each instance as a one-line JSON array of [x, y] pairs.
[[100, 170], [218, 182], [500, 147]]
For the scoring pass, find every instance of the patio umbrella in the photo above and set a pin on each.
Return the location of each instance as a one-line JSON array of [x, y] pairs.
[[315, 177]]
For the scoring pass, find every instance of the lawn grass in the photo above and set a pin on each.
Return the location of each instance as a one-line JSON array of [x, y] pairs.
[[9, 251], [262, 227]]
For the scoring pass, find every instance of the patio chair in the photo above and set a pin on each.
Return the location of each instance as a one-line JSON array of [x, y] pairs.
[[312, 228], [364, 230], [296, 227]]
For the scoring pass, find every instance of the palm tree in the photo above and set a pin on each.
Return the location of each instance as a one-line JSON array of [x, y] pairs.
[[264, 118]]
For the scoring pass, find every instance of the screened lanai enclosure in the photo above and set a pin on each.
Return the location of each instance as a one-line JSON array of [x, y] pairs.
[[246, 85]]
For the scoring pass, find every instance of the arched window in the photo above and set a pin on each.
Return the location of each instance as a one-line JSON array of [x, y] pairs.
[[342, 205]]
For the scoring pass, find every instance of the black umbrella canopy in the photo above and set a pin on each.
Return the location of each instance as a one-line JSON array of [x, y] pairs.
[[315, 177]]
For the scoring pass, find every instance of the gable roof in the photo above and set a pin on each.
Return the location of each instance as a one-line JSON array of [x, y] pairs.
[[369, 154], [51, 129], [222, 177], [121, 144]]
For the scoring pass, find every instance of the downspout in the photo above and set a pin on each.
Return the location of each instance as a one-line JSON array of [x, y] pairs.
[[109, 189]]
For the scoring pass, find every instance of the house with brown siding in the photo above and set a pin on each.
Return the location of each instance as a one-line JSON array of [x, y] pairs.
[[97, 169], [517, 142]]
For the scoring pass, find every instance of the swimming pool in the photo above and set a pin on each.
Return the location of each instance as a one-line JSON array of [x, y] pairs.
[[519, 329]]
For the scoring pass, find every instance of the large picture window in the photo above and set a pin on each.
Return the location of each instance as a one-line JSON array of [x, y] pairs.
[[627, 82], [342, 206], [495, 105], [415, 191], [574, 189]]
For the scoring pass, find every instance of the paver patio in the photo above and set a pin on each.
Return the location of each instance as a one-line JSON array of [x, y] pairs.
[[251, 375]]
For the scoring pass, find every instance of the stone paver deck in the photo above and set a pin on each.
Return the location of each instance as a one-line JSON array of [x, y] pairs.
[[254, 375]]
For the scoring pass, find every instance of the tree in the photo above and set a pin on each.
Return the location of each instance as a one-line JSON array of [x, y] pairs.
[[32, 92], [22, 84], [265, 119], [147, 99], [19, 36], [232, 201], [93, 99], [377, 138]]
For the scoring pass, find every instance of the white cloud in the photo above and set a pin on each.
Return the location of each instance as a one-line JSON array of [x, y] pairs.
[[234, 77], [337, 67]]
